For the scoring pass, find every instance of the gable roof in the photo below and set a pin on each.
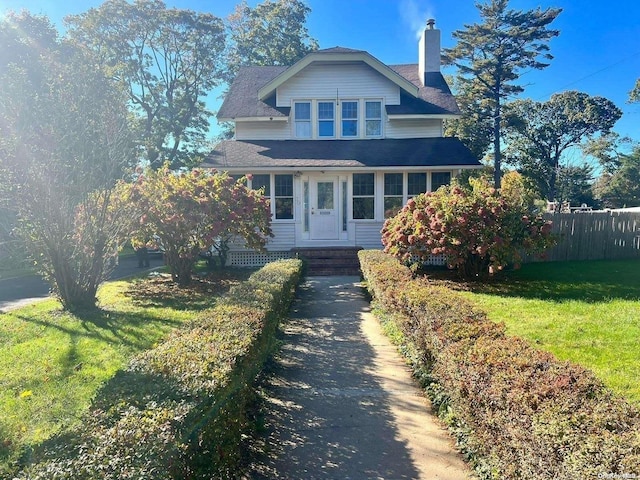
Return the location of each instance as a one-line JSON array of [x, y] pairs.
[[252, 93], [336, 54], [410, 152]]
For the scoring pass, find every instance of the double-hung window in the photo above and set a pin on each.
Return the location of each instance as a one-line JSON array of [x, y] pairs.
[[302, 119], [363, 196], [283, 195], [393, 197], [373, 118], [326, 119], [349, 118]]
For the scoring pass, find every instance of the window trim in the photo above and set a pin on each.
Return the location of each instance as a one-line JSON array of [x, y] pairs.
[[368, 119], [350, 119], [355, 196], [301, 121], [277, 197], [319, 120]]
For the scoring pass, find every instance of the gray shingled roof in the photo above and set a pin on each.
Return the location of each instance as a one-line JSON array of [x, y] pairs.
[[242, 99], [435, 96], [438, 151]]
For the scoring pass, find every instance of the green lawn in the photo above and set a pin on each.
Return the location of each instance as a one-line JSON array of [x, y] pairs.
[[587, 312], [53, 363]]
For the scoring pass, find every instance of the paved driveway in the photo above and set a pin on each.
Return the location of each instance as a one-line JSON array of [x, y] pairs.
[[15, 292]]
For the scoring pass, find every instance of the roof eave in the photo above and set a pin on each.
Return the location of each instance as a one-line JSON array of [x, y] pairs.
[[365, 57], [409, 116]]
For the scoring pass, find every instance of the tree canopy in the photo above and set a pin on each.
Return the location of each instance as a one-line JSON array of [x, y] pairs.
[[620, 186], [64, 142], [272, 33], [168, 60], [539, 133], [490, 56]]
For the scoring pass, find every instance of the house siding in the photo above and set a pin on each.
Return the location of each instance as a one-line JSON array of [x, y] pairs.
[[266, 130], [418, 128], [367, 235], [342, 81]]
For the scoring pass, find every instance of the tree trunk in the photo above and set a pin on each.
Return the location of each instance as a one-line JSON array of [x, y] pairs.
[[497, 155]]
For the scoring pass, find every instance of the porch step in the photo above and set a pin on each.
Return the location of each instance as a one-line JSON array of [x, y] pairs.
[[329, 260]]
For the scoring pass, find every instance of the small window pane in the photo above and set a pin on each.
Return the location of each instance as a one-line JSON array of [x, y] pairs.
[[325, 195], [363, 184], [325, 128], [325, 110], [303, 111], [373, 109], [393, 184], [284, 185], [284, 208], [261, 181], [416, 184], [363, 208], [349, 109], [392, 205], [438, 179]]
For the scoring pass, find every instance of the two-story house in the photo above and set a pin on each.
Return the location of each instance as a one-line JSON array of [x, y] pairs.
[[339, 141]]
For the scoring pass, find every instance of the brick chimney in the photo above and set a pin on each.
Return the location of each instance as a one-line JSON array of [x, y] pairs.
[[429, 50]]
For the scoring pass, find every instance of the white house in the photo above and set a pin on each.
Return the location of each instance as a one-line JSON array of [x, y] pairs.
[[339, 141]]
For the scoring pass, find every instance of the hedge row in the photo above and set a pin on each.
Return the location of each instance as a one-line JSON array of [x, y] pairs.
[[518, 412], [180, 410]]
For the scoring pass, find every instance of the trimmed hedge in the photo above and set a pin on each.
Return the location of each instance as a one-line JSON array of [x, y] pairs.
[[518, 412], [180, 410]]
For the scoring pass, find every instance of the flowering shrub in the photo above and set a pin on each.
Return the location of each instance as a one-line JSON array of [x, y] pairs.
[[188, 212], [476, 229]]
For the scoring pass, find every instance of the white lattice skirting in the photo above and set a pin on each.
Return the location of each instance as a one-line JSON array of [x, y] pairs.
[[255, 259]]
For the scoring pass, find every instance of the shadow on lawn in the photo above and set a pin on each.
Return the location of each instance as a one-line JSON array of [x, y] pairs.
[[587, 281]]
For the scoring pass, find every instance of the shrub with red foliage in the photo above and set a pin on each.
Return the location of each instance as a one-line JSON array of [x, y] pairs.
[[518, 412], [476, 229]]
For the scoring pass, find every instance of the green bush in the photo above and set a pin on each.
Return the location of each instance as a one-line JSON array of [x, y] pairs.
[[517, 412], [180, 409]]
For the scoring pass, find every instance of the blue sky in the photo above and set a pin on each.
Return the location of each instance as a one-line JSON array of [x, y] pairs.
[[597, 52]]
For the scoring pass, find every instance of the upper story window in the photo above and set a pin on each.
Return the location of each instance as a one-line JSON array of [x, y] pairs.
[[302, 119], [349, 118], [326, 119], [373, 118]]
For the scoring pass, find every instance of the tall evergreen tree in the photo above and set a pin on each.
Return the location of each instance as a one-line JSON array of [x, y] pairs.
[[492, 55]]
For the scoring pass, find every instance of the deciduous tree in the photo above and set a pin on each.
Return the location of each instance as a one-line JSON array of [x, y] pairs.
[[271, 33], [620, 186], [64, 142], [168, 60], [493, 54], [540, 133]]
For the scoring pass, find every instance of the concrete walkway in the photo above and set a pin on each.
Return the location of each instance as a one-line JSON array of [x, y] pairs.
[[341, 403]]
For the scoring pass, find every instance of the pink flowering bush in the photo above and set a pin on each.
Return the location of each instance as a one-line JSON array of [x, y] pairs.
[[476, 229], [188, 212]]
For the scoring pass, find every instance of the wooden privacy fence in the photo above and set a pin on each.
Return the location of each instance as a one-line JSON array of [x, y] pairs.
[[597, 235]]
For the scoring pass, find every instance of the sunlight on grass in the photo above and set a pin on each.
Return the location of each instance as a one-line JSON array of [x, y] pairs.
[[585, 312], [53, 362]]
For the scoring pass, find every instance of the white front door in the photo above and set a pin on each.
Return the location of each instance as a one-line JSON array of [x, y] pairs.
[[323, 219]]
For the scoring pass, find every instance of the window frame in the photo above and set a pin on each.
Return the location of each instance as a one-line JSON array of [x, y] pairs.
[[358, 195], [278, 198], [331, 120], [368, 119], [302, 121], [387, 195], [344, 118]]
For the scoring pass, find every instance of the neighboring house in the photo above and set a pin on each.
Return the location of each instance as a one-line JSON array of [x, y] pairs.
[[339, 141]]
